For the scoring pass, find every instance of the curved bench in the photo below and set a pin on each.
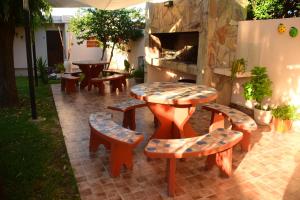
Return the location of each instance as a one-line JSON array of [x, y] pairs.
[[128, 108], [116, 82], [217, 145], [239, 120], [68, 83], [119, 140]]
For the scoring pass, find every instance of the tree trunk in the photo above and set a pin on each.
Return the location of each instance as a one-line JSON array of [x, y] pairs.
[[111, 54], [103, 50], [8, 89]]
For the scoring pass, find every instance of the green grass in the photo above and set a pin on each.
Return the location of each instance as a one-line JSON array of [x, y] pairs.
[[33, 159]]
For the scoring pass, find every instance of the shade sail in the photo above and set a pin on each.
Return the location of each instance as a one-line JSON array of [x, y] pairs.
[[101, 4]]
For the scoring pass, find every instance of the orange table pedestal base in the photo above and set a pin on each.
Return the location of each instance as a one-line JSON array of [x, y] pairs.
[[172, 121]]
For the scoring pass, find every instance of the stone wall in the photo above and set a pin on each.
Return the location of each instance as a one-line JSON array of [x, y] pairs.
[[216, 22], [222, 31]]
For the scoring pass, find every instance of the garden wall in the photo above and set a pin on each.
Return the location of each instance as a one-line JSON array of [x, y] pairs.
[[260, 44]]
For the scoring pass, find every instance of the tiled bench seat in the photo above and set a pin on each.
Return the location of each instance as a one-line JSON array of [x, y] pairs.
[[128, 108], [119, 140], [239, 120], [118, 71], [116, 81], [217, 145]]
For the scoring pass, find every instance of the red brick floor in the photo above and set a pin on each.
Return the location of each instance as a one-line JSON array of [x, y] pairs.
[[271, 170]]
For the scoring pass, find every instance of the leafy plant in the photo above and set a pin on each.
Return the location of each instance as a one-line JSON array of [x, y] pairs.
[[272, 9], [127, 66], [43, 70], [59, 68], [259, 86], [138, 73], [238, 66], [285, 112]]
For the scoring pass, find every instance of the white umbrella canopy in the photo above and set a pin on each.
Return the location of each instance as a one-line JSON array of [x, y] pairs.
[[101, 4]]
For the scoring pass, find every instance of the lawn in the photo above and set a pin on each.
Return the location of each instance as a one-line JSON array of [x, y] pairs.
[[34, 163]]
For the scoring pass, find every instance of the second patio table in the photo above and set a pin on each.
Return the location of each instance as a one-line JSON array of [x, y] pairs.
[[173, 104], [90, 69]]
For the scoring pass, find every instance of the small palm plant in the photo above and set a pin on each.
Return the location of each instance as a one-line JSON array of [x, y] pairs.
[[43, 70]]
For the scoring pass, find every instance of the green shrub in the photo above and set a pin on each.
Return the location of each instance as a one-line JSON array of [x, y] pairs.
[[43, 70], [59, 68], [259, 87], [238, 66], [138, 73], [127, 66], [285, 112]]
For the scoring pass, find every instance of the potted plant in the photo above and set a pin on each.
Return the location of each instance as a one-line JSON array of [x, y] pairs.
[[258, 88], [138, 75], [283, 118], [238, 66]]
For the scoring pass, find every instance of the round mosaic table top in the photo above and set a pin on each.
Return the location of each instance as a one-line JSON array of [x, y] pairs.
[[174, 93], [90, 62]]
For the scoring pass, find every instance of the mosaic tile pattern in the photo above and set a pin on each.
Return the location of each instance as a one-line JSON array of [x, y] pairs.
[[270, 171], [238, 118], [183, 147], [128, 104], [102, 123], [174, 93]]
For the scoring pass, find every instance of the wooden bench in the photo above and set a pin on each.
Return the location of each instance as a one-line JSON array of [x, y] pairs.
[[68, 83], [116, 81], [128, 108], [118, 71], [239, 120], [217, 145], [119, 140]]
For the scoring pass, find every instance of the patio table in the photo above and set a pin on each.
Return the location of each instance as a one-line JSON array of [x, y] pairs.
[[173, 103], [90, 69]]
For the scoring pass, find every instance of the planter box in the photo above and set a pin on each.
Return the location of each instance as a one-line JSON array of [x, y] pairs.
[[282, 126]]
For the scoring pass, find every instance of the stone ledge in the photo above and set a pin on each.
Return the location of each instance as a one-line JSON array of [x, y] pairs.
[[174, 65]]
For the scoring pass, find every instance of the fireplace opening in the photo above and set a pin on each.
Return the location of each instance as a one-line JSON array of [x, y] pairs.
[[178, 46]]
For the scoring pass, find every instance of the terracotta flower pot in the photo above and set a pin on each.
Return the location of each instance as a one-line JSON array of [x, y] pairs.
[[282, 126]]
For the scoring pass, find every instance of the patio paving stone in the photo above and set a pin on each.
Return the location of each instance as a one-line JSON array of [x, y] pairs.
[[271, 170]]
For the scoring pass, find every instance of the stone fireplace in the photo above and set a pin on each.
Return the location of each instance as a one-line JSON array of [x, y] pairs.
[[191, 38]]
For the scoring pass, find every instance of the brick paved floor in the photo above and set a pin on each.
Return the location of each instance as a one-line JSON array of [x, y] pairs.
[[271, 170]]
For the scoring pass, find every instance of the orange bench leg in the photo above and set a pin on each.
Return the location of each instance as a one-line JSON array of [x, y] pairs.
[[246, 141], [223, 160], [129, 119], [124, 82], [62, 84], [116, 84], [171, 170], [216, 121], [120, 155], [96, 141], [100, 86], [70, 86]]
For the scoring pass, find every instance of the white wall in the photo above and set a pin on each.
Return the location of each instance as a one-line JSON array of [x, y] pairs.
[[78, 52], [260, 44], [20, 60], [137, 49]]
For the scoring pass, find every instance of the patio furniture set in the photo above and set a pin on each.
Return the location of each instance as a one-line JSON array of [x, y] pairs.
[[172, 105], [92, 70]]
